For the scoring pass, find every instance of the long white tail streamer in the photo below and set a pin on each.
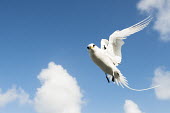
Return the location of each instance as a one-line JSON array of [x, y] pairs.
[[120, 79]]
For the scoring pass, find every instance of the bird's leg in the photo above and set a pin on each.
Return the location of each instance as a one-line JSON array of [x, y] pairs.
[[115, 75], [113, 78], [107, 78]]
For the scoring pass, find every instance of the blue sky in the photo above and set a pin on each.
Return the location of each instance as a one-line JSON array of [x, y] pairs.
[[36, 32]]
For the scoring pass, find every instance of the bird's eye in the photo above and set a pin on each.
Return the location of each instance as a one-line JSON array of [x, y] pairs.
[[88, 47], [93, 45]]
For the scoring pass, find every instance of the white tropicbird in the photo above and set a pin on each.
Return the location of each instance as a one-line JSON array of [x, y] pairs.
[[109, 56]]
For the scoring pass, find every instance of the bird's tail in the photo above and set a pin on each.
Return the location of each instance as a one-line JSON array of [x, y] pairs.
[[121, 80]]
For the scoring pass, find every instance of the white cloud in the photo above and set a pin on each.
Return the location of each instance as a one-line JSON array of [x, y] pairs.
[[13, 94], [59, 92], [7, 97], [162, 77], [23, 97], [131, 107], [162, 9]]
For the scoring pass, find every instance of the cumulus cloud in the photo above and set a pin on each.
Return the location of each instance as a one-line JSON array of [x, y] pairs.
[[162, 9], [162, 77], [131, 107], [59, 92], [14, 94]]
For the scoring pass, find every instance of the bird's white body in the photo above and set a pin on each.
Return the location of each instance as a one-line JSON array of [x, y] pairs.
[[100, 59], [109, 56]]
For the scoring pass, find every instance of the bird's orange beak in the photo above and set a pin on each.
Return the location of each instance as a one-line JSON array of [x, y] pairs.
[[91, 47]]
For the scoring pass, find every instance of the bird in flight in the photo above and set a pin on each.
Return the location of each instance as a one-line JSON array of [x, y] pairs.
[[109, 55]]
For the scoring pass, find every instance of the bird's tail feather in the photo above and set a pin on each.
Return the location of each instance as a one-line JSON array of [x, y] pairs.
[[120, 79]]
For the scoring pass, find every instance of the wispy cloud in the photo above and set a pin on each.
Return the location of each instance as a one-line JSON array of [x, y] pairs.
[[14, 94], [162, 77], [131, 107], [7, 97], [162, 9], [59, 92]]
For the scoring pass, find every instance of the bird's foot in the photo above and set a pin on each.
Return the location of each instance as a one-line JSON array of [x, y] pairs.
[[113, 79], [107, 79]]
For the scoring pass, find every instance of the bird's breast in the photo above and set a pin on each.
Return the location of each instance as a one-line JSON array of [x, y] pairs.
[[102, 61]]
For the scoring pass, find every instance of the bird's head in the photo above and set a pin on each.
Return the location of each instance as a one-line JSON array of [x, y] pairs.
[[91, 47]]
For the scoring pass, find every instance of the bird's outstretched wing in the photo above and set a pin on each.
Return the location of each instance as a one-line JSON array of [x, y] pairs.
[[130, 30], [116, 38]]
